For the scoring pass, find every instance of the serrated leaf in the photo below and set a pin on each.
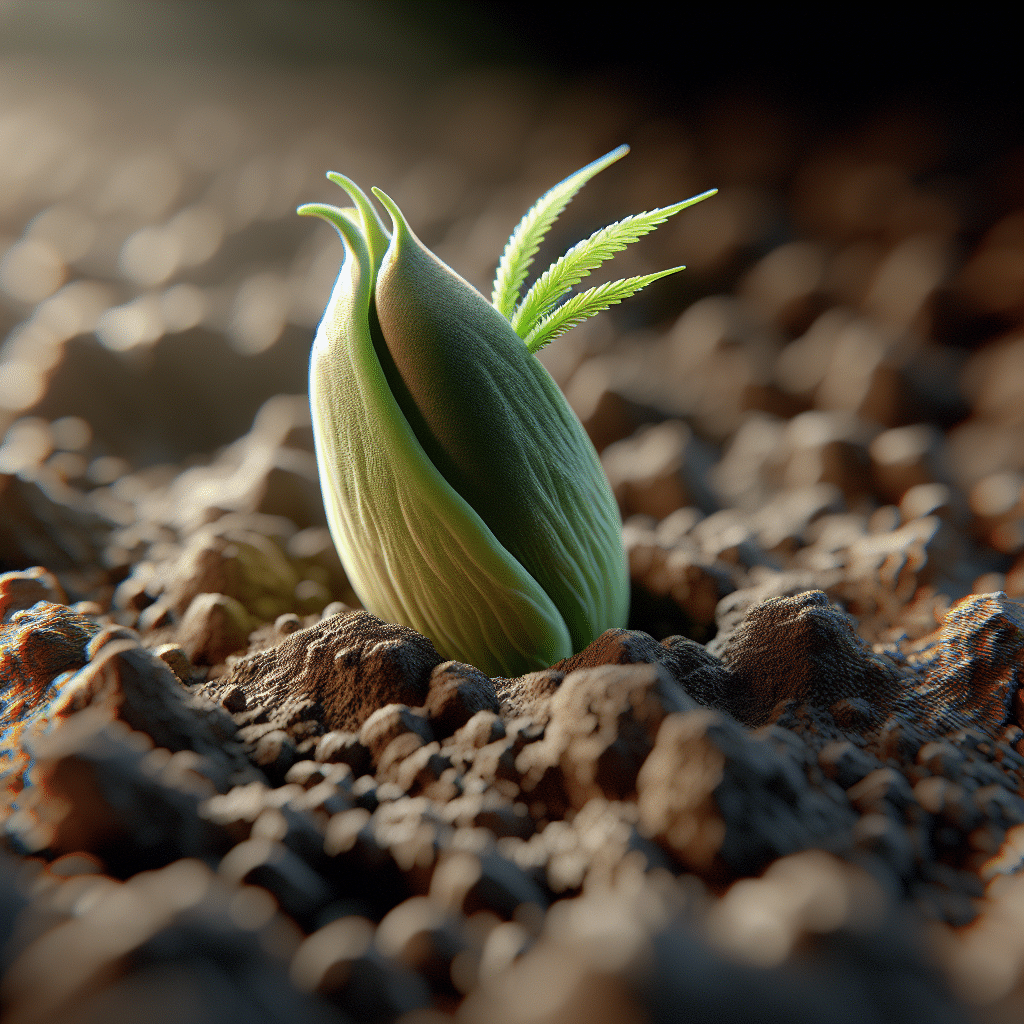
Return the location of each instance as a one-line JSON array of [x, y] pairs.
[[587, 304], [567, 272], [525, 240]]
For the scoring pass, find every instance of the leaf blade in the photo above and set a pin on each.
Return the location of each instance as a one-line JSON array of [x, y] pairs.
[[525, 240], [567, 271], [587, 304]]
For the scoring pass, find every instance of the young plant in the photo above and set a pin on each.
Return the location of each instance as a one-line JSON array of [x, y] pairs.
[[462, 493]]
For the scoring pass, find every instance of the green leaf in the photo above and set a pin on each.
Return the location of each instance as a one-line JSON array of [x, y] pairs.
[[524, 242], [587, 304], [363, 217], [376, 235], [567, 272], [332, 214]]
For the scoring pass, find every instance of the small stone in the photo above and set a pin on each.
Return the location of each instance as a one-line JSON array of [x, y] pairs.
[[132, 594], [157, 616], [20, 590], [287, 623], [275, 753], [112, 634], [335, 608], [603, 725], [676, 786], [337, 747], [90, 608], [885, 838], [340, 964], [483, 728], [393, 757], [176, 660], [472, 882], [421, 936], [845, 763], [298, 889], [234, 700], [214, 626], [305, 773], [881, 790], [457, 692], [388, 723]]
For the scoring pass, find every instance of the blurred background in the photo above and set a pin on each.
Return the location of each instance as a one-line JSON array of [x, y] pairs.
[[855, 291]]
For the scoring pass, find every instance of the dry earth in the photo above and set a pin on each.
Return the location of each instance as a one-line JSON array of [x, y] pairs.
[[792, 789]]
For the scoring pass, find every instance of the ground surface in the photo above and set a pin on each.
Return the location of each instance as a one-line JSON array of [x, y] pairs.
[[793, 789]]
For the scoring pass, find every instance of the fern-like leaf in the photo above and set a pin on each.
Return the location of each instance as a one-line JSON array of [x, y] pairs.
[[524, 242], [567, 272], [587, 304]]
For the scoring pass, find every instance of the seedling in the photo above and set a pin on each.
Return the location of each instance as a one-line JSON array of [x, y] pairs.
[[462, 493]]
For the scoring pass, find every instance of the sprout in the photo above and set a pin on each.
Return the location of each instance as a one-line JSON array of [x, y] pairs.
[[462, 493]]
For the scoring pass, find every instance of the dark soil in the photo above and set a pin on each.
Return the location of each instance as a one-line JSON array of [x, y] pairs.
[[792, 790]]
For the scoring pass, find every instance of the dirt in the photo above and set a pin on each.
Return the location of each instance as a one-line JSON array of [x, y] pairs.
[[792, 788]]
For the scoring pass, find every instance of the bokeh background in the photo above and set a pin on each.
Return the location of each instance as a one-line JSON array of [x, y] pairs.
[[864, 257]]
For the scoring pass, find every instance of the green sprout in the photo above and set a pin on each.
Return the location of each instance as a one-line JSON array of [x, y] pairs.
[[462, 492]]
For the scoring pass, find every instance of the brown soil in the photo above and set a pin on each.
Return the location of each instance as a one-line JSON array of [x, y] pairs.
[[792, 789]]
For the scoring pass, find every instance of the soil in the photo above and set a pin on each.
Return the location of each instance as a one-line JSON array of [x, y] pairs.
[[792, 789]]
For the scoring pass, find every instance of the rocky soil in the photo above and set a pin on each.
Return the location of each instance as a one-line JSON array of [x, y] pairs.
[[792, 790]]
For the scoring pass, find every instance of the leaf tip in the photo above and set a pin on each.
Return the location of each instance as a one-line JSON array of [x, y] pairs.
[[340, 179], [392, 207]]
